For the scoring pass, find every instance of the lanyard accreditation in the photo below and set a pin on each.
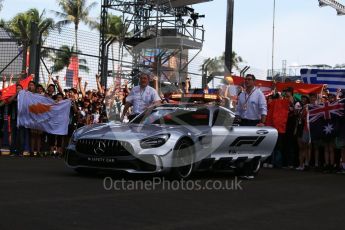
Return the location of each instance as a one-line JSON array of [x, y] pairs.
[[246, 99]]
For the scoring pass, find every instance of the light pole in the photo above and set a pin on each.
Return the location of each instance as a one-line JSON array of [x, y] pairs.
[[273, 36], [228, 38], [340, 8]]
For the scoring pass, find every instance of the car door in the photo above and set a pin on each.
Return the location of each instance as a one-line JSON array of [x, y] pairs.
[[232, 140], [250, 141], [222, 126]]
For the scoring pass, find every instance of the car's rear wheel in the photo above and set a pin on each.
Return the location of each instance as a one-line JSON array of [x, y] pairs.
[[183, 163]]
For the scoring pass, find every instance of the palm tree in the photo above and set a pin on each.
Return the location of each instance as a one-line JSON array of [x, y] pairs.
[[20, 27], [74, 11], [216, 64], [62, 59], [213, 65], [235, 60], [20, 24], [115, 29]]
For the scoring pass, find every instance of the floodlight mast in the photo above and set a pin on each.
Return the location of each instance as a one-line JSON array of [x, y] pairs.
[[229, 37], [340, 8]]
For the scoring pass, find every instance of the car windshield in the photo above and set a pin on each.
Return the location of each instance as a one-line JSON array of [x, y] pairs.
[[174, 116]]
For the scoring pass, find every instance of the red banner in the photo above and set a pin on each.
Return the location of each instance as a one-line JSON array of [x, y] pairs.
[[300, 87], [12, 90], [266, 86]]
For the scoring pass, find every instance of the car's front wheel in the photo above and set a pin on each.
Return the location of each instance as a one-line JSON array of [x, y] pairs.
[[256, 166], [183, 160]]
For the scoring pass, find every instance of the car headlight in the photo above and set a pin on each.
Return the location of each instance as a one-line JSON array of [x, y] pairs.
[[154, 141]]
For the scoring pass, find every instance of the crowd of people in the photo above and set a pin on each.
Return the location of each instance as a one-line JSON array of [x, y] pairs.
[[87, 107], [120, 103], [295, 148], [117, 103]]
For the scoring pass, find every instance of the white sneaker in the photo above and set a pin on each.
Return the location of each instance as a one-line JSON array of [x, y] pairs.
[[300, 168]]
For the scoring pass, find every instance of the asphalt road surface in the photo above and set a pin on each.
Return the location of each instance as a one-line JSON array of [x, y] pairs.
[[41, 193]]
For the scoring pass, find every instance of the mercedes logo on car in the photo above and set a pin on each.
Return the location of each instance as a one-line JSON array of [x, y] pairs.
[[100, 148]]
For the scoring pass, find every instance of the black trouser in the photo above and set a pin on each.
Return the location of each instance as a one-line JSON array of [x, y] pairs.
[[290, 150], [55, 140], [246, 122], [18, 139]]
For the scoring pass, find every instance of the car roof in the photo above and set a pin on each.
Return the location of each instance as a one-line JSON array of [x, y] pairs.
[[211, 107], [184, 105]]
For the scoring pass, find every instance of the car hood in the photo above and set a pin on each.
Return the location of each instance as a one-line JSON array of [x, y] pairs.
[[127, 132]]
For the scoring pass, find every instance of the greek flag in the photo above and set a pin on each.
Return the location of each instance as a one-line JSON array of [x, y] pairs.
[[333, 78]]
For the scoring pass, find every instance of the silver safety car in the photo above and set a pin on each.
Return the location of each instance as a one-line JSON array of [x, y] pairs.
[[176, 139]]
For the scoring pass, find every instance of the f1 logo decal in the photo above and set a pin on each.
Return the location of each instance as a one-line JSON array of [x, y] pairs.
[[251, 140]]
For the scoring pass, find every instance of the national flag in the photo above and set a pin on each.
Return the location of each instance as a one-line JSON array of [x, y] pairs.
[[43, 113], [12, 89], [323, 119], [333, 78], [277, 115]]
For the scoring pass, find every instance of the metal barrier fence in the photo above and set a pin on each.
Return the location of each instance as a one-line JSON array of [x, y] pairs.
[[59, 43], [11, 54], [62, 43]]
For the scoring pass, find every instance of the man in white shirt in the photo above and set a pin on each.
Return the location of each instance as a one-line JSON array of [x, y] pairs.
[[141, 97], [252, 106]]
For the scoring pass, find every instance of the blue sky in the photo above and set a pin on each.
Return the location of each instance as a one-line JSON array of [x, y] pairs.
[[305, 33]]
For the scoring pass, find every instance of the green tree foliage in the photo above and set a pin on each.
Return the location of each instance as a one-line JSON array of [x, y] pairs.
[[62, 57], [74, 11]]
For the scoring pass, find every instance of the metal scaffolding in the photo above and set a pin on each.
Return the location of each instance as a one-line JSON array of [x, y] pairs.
[[157, 34]]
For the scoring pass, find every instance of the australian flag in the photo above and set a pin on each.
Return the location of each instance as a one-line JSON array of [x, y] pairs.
[[326, 120], [333, 78]]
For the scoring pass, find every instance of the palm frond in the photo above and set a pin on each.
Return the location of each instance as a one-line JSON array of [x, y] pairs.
[[59, 14], [92, 5]]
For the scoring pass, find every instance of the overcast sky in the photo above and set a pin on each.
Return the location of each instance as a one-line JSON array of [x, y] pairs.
[[305, 33]]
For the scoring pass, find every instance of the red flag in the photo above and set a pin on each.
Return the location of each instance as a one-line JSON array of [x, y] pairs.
[[264, 86], [300, 87], [12, 90], [277, 115]]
